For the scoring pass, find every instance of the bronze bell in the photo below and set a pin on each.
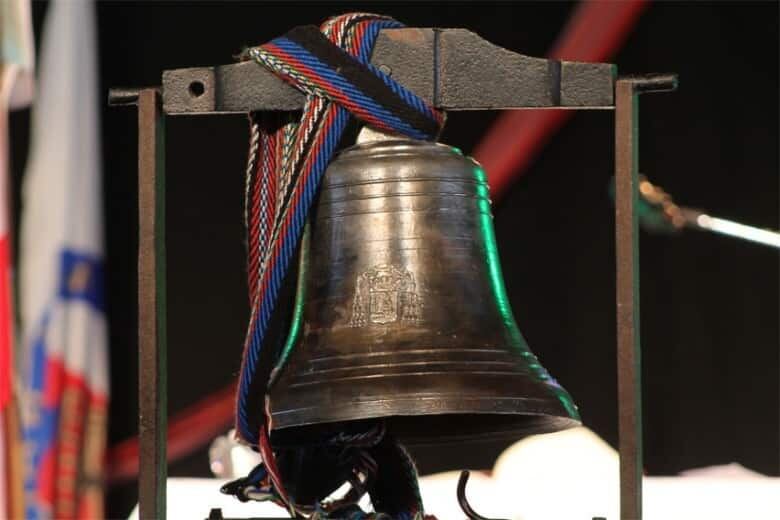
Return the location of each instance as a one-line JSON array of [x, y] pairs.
[[403, 313]]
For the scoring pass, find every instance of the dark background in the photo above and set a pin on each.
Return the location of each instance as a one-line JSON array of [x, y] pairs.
[[709, 303]]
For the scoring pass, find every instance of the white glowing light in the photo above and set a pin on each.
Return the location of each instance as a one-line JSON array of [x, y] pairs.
[[728, 227]]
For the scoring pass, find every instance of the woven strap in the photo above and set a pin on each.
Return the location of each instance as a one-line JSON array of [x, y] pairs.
[[287, 160]]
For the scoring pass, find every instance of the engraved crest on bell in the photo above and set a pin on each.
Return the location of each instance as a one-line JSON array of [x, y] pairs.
[[385, 294]]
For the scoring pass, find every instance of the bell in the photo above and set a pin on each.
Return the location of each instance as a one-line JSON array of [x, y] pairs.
[[402, 311]]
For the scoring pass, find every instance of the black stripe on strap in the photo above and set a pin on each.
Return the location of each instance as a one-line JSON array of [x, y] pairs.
[[310, 38]]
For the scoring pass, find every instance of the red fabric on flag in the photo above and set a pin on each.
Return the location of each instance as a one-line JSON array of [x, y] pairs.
[[6, 321]]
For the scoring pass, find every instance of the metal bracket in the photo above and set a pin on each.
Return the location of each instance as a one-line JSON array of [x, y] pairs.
[[453, 69]]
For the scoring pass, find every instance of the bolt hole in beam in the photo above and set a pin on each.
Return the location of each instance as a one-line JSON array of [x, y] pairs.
[[197, 88]]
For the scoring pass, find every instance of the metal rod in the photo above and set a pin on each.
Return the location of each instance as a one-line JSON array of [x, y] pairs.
[[627, 272], [152, 348], [702, 221]]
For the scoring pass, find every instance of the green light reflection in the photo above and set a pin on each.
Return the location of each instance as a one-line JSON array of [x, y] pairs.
[[300, 298], [499, 293]]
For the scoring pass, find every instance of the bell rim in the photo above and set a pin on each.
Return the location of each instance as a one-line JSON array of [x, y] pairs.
[[541, 415]]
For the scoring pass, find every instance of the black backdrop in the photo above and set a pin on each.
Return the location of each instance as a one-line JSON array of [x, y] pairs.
[[709, 304]]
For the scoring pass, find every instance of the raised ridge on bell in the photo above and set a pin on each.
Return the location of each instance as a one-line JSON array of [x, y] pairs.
[[405, 316]]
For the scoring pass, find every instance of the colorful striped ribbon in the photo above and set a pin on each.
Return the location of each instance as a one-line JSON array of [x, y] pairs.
[[287, 160]]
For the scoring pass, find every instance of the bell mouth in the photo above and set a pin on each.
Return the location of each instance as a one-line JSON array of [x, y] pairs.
[[446, 429], [438, 420]]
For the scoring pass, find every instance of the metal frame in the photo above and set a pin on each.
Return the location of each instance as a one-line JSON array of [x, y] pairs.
[[629, 352], [152, 334], [430, 62]]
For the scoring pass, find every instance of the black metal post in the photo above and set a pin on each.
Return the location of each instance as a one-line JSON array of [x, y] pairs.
[[152, 347], [629, 369]]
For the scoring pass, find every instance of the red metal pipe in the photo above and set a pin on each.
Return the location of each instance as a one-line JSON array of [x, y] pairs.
[[189, 430], [595, 32]]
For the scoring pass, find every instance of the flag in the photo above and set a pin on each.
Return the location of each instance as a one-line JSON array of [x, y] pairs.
[[16, 89], [63, 325]]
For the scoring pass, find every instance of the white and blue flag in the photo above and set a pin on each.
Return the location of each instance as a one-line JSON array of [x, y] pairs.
[[62, 304]]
